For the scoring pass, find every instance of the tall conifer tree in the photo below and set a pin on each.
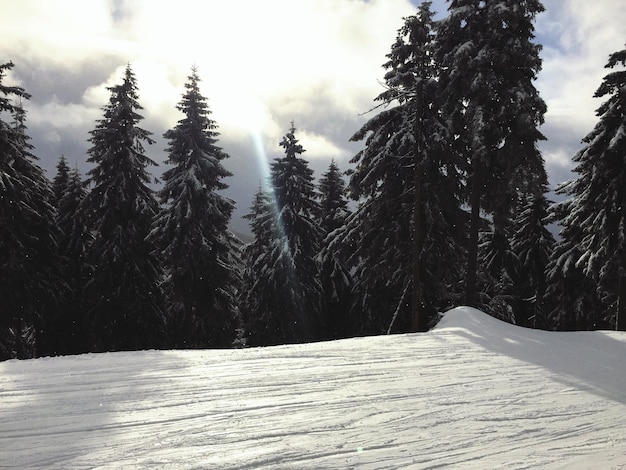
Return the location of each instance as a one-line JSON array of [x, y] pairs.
[[200, 253], [333, 202], [73, 245], [532, 244], [29, 276], [253, 300], [61, 179], [595, 222], [406, 246], [489, 62], [573, 300], [124, 310], [287, 283], [336, 280]]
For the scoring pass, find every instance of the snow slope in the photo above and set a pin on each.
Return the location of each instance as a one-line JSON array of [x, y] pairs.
[[472, 393]]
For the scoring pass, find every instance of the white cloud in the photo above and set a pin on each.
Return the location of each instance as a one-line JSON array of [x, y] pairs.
[[581, 36], [318, 146], [62, 116], [63, 31], [578, 37], [264, 63], [261, 63]]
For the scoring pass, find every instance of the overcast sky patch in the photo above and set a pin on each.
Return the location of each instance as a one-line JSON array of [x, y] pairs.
[[264, 64]]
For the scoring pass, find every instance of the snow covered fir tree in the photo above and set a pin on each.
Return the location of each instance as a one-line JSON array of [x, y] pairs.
[[594, 218], [74, 239], [403, 241], [444, 203], [200, 255], [283, 301], [490, 61], [532, 243], [30, 281], [336, 281], [61, 179], [123, 299]]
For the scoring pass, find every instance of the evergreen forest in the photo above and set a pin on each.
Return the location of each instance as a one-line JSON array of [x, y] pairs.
[[446, 204]]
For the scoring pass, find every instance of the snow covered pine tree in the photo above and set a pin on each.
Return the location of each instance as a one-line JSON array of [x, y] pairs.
[[201, 255], [489, 62], [595, 220], [286, 289], [29, 275], [123, 295], [335, 278], [73, 244], [61, 179], [405, 233]]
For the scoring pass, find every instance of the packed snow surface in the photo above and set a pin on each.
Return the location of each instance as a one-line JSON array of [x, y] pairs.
[[472, 393]]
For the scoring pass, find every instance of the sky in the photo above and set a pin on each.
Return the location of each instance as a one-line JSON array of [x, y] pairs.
[[263, 65]]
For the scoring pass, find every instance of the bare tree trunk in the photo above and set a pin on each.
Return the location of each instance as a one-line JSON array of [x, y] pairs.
[[471, 275], [419, 322], [620, 319], [20, 348]]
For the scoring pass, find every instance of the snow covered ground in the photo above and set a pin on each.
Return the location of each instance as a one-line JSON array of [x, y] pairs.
[[472, 393]]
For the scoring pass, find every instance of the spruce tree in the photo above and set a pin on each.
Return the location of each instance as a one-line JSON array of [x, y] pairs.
[[262, 218], [199, 252], [596, 217], [29, 273], [407, 227], [532, 244], [61, 179], [287, 284], [489, 60], [73, 246], [333, 202], [336, 281], [253, 299], [123, 292], [572, 300]]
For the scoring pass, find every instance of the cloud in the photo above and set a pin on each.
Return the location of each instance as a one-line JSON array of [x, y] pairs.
[[318, 146], [64, 31], [578, 37], [251, 55], [264, 64], [62, 116]]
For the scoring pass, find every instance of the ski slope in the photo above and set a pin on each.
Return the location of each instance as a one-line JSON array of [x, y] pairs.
[[472, 393]]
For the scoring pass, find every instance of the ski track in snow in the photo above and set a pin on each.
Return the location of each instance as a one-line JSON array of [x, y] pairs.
[[472, 393]]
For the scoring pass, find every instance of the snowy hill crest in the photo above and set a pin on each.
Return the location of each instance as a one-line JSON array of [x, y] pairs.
[[472, 393]]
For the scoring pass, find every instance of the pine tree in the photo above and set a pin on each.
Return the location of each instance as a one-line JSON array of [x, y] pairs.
[[336, 281], [596, 217], [61, 179], [123, 293], [29, 263], [73, 246], [572, 300], [407, 178], [333, 202], [252, 300], [262, 218], [286, 286], [192, 230], [532, 244], [489, 63]]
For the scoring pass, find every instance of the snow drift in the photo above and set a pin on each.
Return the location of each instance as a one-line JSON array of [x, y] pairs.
[[472, 393]]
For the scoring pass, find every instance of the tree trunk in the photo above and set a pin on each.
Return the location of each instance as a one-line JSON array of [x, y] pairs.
[[471, 275], [620, 319], [419, 322], [20, 349]]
